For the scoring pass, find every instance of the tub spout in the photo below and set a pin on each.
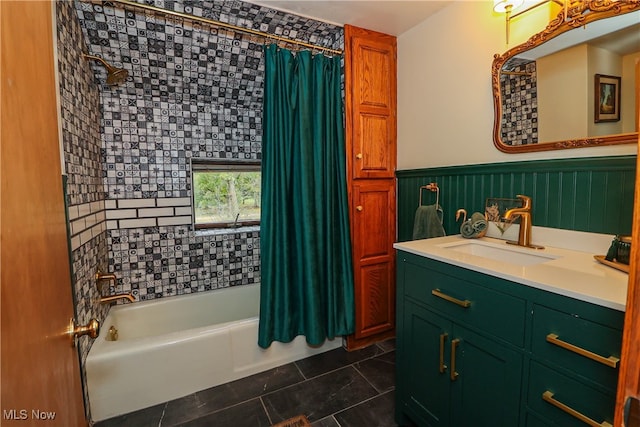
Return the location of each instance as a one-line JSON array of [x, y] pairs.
[[111, 298]]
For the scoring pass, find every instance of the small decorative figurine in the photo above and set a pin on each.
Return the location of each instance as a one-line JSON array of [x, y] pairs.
[[474, 227]]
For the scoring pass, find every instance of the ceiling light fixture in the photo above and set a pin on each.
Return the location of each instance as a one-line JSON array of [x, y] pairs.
[[508, 6]]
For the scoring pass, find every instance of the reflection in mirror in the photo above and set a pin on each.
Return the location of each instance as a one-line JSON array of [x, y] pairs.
[[545, 94]]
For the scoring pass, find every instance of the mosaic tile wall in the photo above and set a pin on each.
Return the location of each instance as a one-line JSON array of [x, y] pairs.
[[520, 105], [192, 92], [84, 193]]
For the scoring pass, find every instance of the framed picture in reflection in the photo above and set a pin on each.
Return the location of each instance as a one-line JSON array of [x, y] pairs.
[[607, 98]]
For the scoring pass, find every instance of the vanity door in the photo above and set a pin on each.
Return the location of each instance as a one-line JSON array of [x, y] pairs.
[[486, 389], [423, 381], [449, 376]]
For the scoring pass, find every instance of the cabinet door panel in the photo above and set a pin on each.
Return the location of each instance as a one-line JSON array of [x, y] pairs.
[[376, 299], [487, 308], [370, 100], [373, 218], [533, 421], [373, 147], [486, 392], [590, 402], [423, 387], [574, 329], [373, 226]]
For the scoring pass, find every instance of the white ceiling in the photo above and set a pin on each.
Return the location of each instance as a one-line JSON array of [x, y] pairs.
[[390, 17]]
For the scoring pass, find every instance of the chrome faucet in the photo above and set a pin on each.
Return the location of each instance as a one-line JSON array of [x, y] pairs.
[[524, 212]]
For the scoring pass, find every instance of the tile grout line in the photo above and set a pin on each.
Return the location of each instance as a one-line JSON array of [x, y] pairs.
[[367, 380], [331, 371], [264, 408], [360, 403], [295, 363], [164, 410]]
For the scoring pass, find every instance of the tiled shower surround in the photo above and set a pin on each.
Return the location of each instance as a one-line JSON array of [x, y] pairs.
[[520, 103], [84, 191], [193, 92]]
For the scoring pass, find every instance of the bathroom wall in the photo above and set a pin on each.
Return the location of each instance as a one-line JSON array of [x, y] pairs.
[[564, 117], [193, 92], [627, 106], [80, 117], [593, 194], [445, 104], [603, 61]]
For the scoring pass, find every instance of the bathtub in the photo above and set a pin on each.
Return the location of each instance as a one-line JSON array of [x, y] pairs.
[[176, 346]]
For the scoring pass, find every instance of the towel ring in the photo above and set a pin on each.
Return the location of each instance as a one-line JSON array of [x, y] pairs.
[[433, 187]]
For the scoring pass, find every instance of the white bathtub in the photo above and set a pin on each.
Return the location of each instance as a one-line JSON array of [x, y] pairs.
[[176, 346]]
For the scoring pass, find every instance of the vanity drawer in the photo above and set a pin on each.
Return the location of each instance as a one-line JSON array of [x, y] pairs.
[[587, 348], [554, 395], [468, 303]]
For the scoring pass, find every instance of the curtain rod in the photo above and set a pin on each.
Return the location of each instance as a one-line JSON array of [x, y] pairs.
[[193, 18]]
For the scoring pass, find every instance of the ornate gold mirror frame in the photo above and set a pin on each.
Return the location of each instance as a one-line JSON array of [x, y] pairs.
[[578, 14]]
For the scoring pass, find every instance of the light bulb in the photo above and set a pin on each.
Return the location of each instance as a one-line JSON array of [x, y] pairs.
[[501, 6]]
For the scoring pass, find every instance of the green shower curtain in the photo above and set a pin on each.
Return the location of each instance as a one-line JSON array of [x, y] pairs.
[[305, 247]]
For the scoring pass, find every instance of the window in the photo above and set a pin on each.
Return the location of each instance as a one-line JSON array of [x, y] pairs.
[[225, 194]]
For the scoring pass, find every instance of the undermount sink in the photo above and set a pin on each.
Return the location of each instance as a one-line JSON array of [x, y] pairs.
[[508, 254]]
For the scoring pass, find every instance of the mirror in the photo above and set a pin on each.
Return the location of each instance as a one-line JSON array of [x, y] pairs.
[[551, 92]]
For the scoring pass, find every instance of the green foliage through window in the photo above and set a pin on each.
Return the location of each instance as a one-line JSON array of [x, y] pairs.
[[226, 195]]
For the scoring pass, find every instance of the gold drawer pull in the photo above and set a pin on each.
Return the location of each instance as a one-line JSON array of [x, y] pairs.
[[547, 396], [454, 344], [461, 303], [610, 361], [443, 338]]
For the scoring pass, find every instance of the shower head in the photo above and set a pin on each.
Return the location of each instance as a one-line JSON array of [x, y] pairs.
[[115, 75]]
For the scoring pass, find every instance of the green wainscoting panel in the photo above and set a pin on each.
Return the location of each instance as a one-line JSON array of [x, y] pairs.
[[587, 194]]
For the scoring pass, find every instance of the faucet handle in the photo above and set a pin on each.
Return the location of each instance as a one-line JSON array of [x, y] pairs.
[[102, 277], [526, 201]]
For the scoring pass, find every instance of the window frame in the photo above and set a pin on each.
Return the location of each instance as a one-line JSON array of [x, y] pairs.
[[220, 165]]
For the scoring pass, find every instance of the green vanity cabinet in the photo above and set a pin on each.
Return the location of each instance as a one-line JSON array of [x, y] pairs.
[[575, 351], [475, 350], [457, 363]]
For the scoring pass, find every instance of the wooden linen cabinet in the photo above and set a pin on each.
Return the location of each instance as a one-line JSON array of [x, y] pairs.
[[370, 101]]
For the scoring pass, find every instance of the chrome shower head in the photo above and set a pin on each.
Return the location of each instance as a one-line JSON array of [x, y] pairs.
[[115, 75]]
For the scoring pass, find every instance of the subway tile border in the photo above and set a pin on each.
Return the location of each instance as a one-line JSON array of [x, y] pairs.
[[141, 213]]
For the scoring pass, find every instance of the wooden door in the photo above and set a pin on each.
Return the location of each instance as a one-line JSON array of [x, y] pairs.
[[629, 378], [40, 369], [371, 103], [374, 261]]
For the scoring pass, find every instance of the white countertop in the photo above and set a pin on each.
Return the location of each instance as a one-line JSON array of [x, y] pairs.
[[572, 273]]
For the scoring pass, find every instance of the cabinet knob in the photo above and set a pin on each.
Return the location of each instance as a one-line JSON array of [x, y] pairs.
[[74, 331], [359, 156], [359, 208]]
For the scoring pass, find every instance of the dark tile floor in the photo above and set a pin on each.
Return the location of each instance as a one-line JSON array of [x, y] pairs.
[[333, 389]]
